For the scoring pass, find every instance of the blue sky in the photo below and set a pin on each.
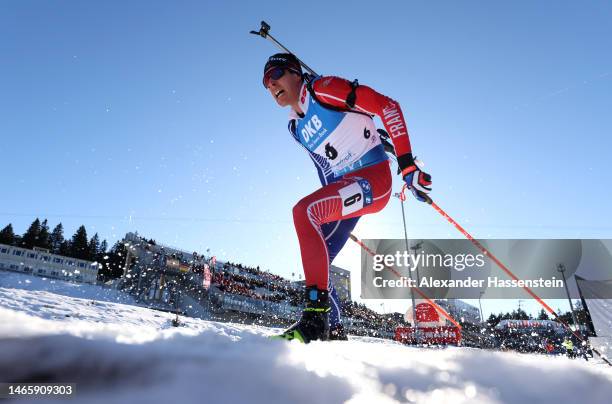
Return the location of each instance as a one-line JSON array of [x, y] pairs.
[[151, 116]]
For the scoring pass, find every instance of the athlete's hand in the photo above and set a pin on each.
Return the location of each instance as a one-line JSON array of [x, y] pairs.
[[417, 181]]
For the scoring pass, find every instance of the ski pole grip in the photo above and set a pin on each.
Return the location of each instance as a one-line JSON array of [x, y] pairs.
[[265, 27], [263, 30]]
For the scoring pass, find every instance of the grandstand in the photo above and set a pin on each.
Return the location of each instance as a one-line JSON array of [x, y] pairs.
[[171, 279]]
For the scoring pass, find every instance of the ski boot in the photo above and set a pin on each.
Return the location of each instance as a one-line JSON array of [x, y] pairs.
[[337, 333], [314, 323]]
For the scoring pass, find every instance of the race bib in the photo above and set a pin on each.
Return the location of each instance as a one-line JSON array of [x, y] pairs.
[[355, 196]]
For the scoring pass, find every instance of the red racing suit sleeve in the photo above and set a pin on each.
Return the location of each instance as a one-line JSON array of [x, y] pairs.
[[335, 91]]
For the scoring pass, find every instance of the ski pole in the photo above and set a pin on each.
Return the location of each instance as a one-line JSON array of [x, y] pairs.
[[500, 264], [402, 198], [416, 289], [264, 32]]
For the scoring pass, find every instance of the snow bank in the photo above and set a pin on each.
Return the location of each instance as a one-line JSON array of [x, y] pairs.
[[118, 353], [16, 280]]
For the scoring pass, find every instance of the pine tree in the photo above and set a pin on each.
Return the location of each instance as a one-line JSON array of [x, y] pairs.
[[93, 247], [30, 237], [43, 240], [56, 238], [493, 320], [7, 236], [79, 246], [102, 251], [113, 265], [102, 276], [519, 314], [542, 315], [65, 249], [567, 317]]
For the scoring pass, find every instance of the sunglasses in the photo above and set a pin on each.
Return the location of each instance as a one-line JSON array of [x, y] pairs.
[[273, 74], [276, 73]]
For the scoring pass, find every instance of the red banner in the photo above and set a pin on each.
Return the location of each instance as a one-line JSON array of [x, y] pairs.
[[444, 335]]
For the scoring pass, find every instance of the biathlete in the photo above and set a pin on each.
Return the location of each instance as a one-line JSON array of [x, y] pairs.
[[331, 118]]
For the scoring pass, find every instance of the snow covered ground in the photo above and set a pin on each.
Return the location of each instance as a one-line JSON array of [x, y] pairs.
[[116, 352]]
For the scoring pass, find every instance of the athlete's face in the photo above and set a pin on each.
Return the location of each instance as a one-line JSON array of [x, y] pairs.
[[286, 89]]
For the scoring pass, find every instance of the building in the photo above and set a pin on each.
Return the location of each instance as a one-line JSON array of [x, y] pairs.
[[43, 263]]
